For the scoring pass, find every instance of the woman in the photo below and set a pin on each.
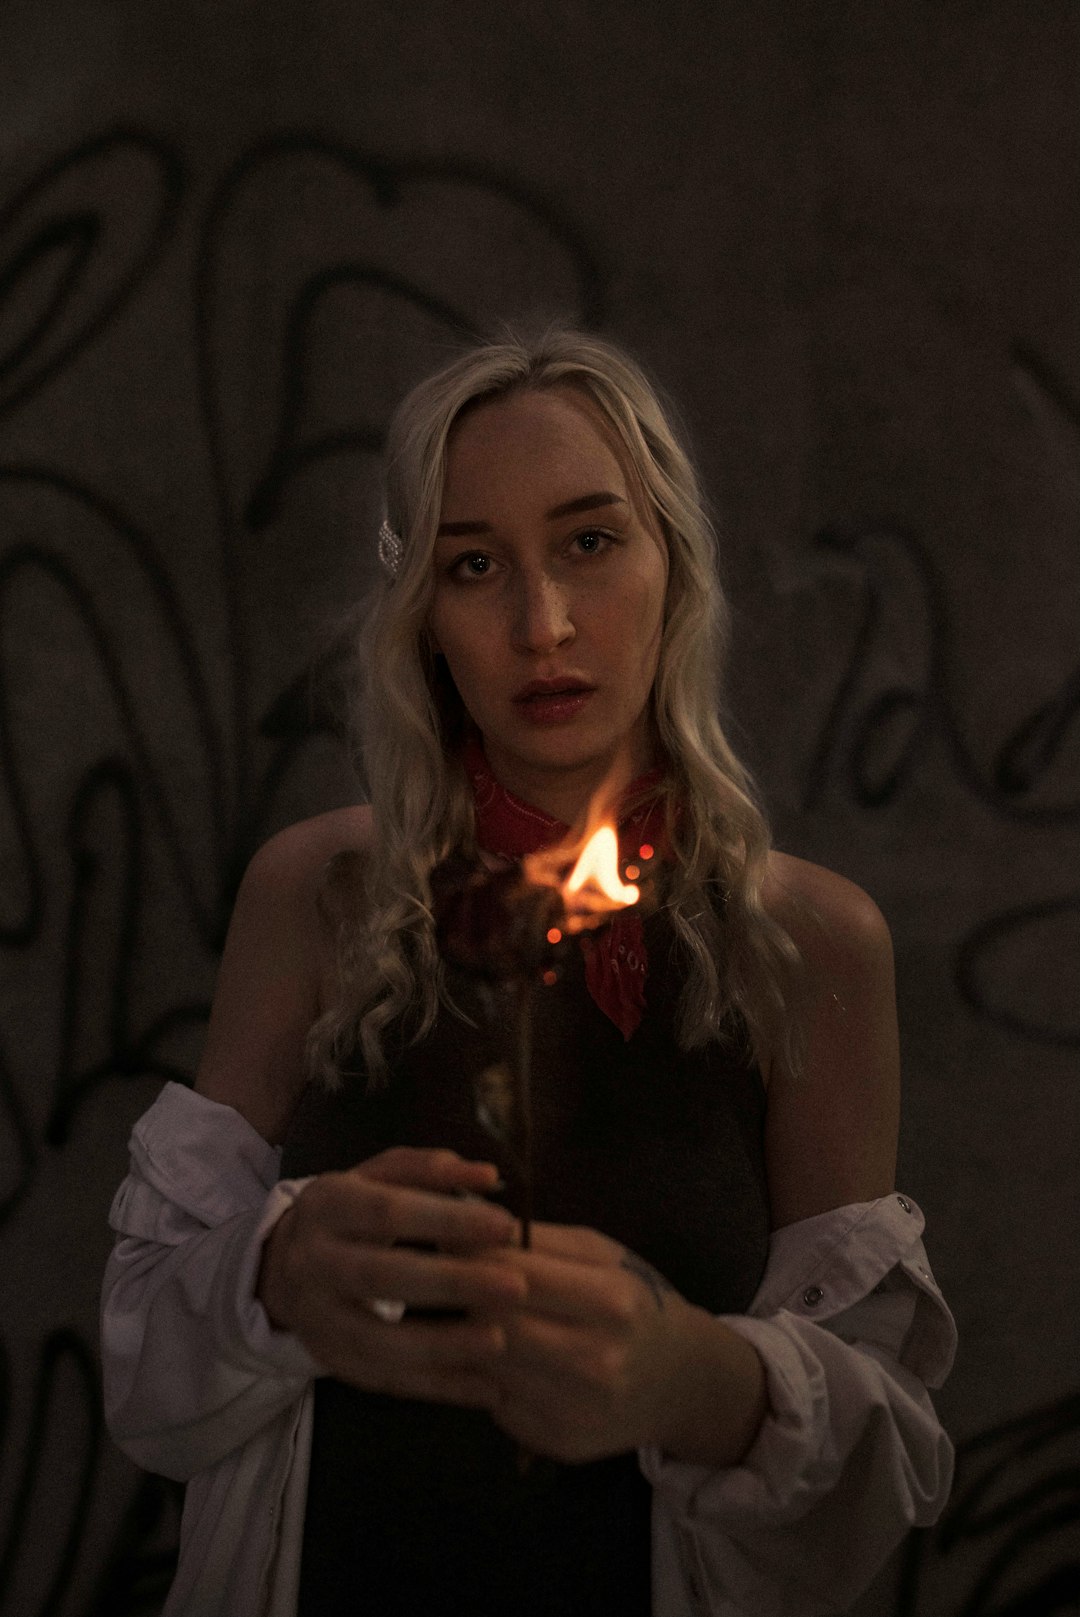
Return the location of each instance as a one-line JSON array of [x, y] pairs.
[[702, 1387]]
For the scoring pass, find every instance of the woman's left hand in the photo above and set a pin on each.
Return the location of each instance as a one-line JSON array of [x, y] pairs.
[[596, 1353]]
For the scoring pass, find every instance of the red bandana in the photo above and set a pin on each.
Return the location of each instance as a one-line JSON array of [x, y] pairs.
[[615, 962]]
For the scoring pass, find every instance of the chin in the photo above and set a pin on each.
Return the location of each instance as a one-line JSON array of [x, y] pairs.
[[571, 752]]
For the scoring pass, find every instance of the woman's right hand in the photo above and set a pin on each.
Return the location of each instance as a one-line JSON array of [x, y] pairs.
[[333, 1251]]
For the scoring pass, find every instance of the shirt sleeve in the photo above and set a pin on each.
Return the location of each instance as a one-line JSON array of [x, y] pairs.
[[851, 1329], [191, 1365]]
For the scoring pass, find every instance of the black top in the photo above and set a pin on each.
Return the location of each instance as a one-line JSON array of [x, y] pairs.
[[417, 1507]]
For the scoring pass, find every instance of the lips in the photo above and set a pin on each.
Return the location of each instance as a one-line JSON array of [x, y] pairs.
[[548, 702], [568, 686]]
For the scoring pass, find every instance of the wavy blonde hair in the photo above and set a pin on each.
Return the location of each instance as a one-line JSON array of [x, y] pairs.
[[739, 961]]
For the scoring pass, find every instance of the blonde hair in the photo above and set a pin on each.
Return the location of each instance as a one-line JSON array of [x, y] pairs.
[[738, 960]]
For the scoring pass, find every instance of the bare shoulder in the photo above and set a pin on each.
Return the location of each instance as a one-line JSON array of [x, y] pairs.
[[274, 965], [835, 925], [294, 859], [831, 1130]]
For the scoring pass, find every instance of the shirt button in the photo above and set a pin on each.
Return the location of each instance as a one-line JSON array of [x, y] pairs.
[[904, 1203], [812, 1296]]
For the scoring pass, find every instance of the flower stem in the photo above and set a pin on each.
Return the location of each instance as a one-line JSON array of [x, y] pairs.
[[524, 1080]]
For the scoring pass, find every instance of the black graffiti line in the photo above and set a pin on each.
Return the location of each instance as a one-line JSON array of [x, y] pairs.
[[1064, 1481], [983, 939], [1025, 1435], [933, 698], [1021, 1539], [1065, 402], [128, 1055], [79, 232], [1034, 744], [26, 1148], [171, 177], [1016, 1441], [867, 631], [289, 454], [108, 776], [60, 1345], [133, 1576], [28, 556]]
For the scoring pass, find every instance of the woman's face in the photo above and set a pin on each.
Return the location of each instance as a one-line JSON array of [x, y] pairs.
[[549, 573]]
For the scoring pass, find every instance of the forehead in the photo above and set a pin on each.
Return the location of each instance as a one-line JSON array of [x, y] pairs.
[[551, 443]]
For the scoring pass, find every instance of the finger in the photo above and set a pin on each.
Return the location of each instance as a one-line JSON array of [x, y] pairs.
[[442, 1362], [421, 1280], [569, 1289], [438, 1170], [574, 1241], [364, 1209], [422, 1345]]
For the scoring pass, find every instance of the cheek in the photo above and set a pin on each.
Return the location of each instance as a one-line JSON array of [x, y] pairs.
[[446, 634], [468, 654], [647, 610]]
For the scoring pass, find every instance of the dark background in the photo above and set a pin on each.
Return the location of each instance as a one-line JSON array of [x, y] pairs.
[[844, 237]]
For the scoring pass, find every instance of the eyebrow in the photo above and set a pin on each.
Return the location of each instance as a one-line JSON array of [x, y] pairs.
[[584, 502]]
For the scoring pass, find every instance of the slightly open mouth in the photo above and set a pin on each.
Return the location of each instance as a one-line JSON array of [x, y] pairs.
[[549, 707], [557, 696]]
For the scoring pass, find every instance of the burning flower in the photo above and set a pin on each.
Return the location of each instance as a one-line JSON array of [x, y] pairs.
[[510, 926], [509, 922]]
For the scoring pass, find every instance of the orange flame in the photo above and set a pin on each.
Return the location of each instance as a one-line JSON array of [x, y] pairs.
[[597, 872], [593, 887]]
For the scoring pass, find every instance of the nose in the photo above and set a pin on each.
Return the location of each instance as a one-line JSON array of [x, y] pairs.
[[542, 618]]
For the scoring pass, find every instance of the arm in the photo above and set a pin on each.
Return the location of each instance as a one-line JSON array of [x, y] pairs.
[[831, 1129], [194, 1363], [191, 1364], [848, 1327], [192, 1367], [850, 1331]]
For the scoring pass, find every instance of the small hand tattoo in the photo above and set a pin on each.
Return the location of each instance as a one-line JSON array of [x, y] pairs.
[[652, 1277]]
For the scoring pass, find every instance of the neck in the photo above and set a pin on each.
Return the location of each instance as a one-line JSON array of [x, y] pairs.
[[571, 795]]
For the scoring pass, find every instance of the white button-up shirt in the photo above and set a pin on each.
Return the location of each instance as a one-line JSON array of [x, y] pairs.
[[848, 1320]]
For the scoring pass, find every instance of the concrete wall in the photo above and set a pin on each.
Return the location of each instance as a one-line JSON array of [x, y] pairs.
[[231, 233]]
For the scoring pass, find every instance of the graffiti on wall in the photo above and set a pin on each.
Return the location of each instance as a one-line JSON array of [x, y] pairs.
[[103, 811]]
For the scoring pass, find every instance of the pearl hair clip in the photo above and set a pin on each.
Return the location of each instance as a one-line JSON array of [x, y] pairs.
[[391, 549]]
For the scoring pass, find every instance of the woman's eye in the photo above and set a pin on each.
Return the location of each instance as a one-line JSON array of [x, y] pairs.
[[592, 540], [475, 566]]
